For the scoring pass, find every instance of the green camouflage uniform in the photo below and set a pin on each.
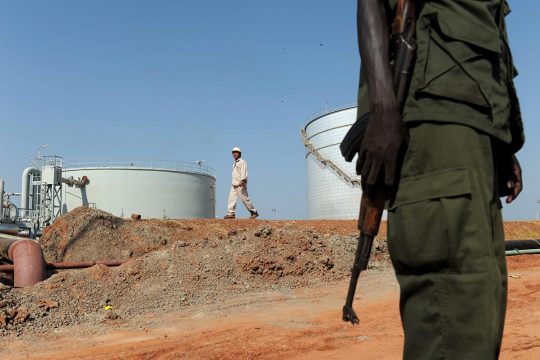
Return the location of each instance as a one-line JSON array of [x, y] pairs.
[[445, 232]]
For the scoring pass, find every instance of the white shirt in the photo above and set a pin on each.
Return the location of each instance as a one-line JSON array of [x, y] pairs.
[[239, 171]]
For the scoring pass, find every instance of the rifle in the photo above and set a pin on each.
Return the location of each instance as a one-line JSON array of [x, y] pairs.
[[403, 49]]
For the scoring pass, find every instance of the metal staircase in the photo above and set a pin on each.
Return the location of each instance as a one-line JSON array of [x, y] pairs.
[[337, 170]]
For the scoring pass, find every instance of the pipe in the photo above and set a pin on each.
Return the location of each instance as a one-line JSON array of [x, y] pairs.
[[522, 252], [521, 244], [2, 183], [2, 198], [13, 211], [24, 233], [70, 265], [10, 229], [26, 185], [28, 263], [81, 182]]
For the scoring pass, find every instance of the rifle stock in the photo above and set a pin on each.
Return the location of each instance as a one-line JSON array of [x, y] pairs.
[[369, 220]]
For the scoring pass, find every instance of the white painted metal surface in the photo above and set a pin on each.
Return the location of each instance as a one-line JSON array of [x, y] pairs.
[[153, 189], [330, 194]]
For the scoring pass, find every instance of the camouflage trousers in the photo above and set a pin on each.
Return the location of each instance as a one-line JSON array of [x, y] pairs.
[[446, 242]]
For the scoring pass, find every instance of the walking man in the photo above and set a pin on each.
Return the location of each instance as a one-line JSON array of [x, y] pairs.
[[448, 155], [239, 186]]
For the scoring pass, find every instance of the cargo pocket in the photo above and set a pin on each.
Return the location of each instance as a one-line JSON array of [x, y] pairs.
[[422, 218], [454, 54]]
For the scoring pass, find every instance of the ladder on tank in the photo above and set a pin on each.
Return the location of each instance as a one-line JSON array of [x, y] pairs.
[[336, 169]]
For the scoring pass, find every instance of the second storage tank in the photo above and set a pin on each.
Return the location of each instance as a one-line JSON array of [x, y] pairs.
[[151, 188], [333, 188]]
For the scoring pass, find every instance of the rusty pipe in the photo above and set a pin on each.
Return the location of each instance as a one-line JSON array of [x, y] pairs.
[[28, 262], [70, 265], [83, 264], [81, 182]]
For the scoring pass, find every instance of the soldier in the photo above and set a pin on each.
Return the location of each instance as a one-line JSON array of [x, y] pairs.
[[239, 186], [448, 155]]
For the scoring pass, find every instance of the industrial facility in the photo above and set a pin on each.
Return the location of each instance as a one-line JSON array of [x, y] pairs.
[[148, 188], [333, 188]]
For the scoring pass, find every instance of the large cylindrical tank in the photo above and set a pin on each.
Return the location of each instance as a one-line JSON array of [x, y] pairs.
[[153, 189], [333, 190]]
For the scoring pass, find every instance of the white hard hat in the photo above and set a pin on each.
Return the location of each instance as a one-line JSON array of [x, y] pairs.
[[236, 148]]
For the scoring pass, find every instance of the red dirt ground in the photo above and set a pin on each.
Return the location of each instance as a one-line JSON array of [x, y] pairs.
[[262, 308], [303, 324]]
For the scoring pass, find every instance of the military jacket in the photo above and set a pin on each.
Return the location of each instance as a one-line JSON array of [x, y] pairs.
[[463, 71]]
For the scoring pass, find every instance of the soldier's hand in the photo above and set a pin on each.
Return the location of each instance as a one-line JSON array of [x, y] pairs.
[[515, 184], [385, 138]]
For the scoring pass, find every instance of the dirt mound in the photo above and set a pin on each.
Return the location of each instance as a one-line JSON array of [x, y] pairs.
[[90, 234], [174, 263], [521, 230], [177, 263]]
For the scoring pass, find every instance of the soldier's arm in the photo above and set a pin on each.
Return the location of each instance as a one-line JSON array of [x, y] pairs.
[[385, 134]]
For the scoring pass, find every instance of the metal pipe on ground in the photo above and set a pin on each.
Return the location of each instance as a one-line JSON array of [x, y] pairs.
[[521, 244], [9, 228], [522, 252], [28, 261], [29, 266], [522, 247], [70, 265]]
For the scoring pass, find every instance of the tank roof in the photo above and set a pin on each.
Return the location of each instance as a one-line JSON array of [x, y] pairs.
[[142, 164], [327, 112]]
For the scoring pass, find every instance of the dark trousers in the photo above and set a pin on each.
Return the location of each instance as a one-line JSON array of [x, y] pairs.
[[446, 242]]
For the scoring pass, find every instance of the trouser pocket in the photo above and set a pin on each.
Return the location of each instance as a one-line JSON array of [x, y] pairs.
[[431, 225]]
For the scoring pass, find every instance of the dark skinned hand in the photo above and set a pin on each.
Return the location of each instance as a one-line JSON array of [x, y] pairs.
[[515, 184], [385, 137]]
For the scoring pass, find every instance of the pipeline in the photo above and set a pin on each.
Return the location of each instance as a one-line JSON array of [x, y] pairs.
[[26, 185], [9, 229], [29, 266], [70, 265], [1, 198], [522, 252], [2, 205], [521, 244], [71, 181], [27, 258], [522, 247]]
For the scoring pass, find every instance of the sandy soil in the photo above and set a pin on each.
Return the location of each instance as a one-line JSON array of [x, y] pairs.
[[300, 324], [274, 291]]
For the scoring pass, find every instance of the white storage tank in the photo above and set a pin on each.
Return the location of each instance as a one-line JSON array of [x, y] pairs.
[[333, 188], [152, 188]]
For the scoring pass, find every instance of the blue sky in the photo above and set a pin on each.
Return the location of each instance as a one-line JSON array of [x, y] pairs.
[[187, 80]]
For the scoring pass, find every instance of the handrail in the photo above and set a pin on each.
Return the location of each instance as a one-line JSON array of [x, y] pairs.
[[327, 162], [330, 110], [153, 164]]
